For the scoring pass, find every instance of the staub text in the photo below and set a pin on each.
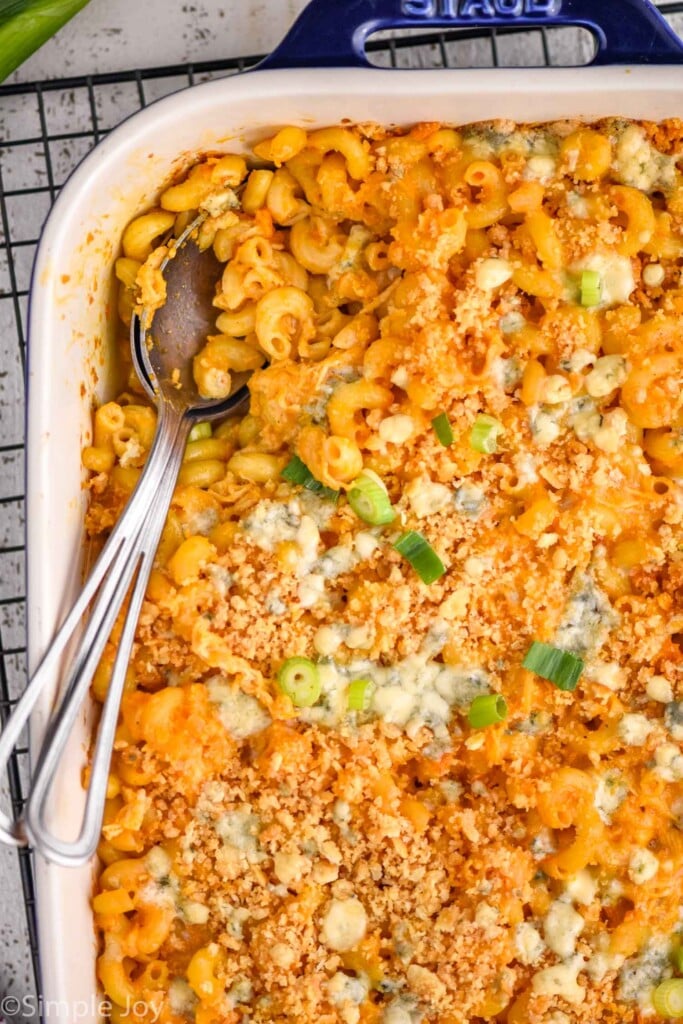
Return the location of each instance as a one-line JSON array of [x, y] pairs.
[[480, 8]]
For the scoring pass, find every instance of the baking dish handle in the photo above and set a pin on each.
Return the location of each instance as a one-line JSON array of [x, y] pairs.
[[330, 34]]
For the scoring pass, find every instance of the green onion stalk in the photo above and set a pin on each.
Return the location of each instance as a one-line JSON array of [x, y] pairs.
[[552, 663], [668, 999], [200, 432], [359, 696], [27, 24], [443, 429], [421, 555], [591, 288], [300, 680], [487, 709], [369, 499], [297, 472], [485, 433]]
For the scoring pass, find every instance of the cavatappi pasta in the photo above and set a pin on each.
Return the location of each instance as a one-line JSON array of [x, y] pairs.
[[402, 735]]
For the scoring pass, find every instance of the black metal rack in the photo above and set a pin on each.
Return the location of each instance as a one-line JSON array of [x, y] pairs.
[[68, 117]]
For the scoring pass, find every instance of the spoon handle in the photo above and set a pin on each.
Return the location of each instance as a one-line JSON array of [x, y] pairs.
[[128, 555]]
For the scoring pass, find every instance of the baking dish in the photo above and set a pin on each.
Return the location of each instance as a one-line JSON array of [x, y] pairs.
[[70, 330]]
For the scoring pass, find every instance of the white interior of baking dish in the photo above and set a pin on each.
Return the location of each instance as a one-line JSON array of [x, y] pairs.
[[70, 333]]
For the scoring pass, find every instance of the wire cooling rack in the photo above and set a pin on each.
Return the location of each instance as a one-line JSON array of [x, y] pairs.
[[48, 128]]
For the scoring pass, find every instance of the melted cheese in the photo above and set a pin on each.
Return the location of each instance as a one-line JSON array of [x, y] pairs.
[[344, 924], [600, 964], [529, 945], [562, 926], [610, 793], [634, 730], [642, 866], [640, 974], [616, 276], [271, 522], [561, 980], [544, 424], [608, 374], [415, 692], [582, 888], [669, 762], [426, 497], [609, 674], [659, 689], [587, 618], [240, 713], [638, 164]]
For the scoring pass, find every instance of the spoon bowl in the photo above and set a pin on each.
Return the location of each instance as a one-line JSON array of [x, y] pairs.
[[165, 342]]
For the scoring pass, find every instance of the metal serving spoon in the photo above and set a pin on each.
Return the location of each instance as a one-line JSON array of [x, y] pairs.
[[163, 346]]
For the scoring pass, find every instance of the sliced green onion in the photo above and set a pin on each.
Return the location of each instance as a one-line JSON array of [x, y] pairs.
[[369, 500], [668, 998], [443, 429], [297, 472], [485, 433], [548, 662], [26, 24], [591, 288], [421, 555], [360, 694], [486, 710], [300, 680], [677, 958], [200, 432]]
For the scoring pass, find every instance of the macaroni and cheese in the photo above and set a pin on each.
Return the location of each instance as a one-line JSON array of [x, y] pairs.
[[402, 733]]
